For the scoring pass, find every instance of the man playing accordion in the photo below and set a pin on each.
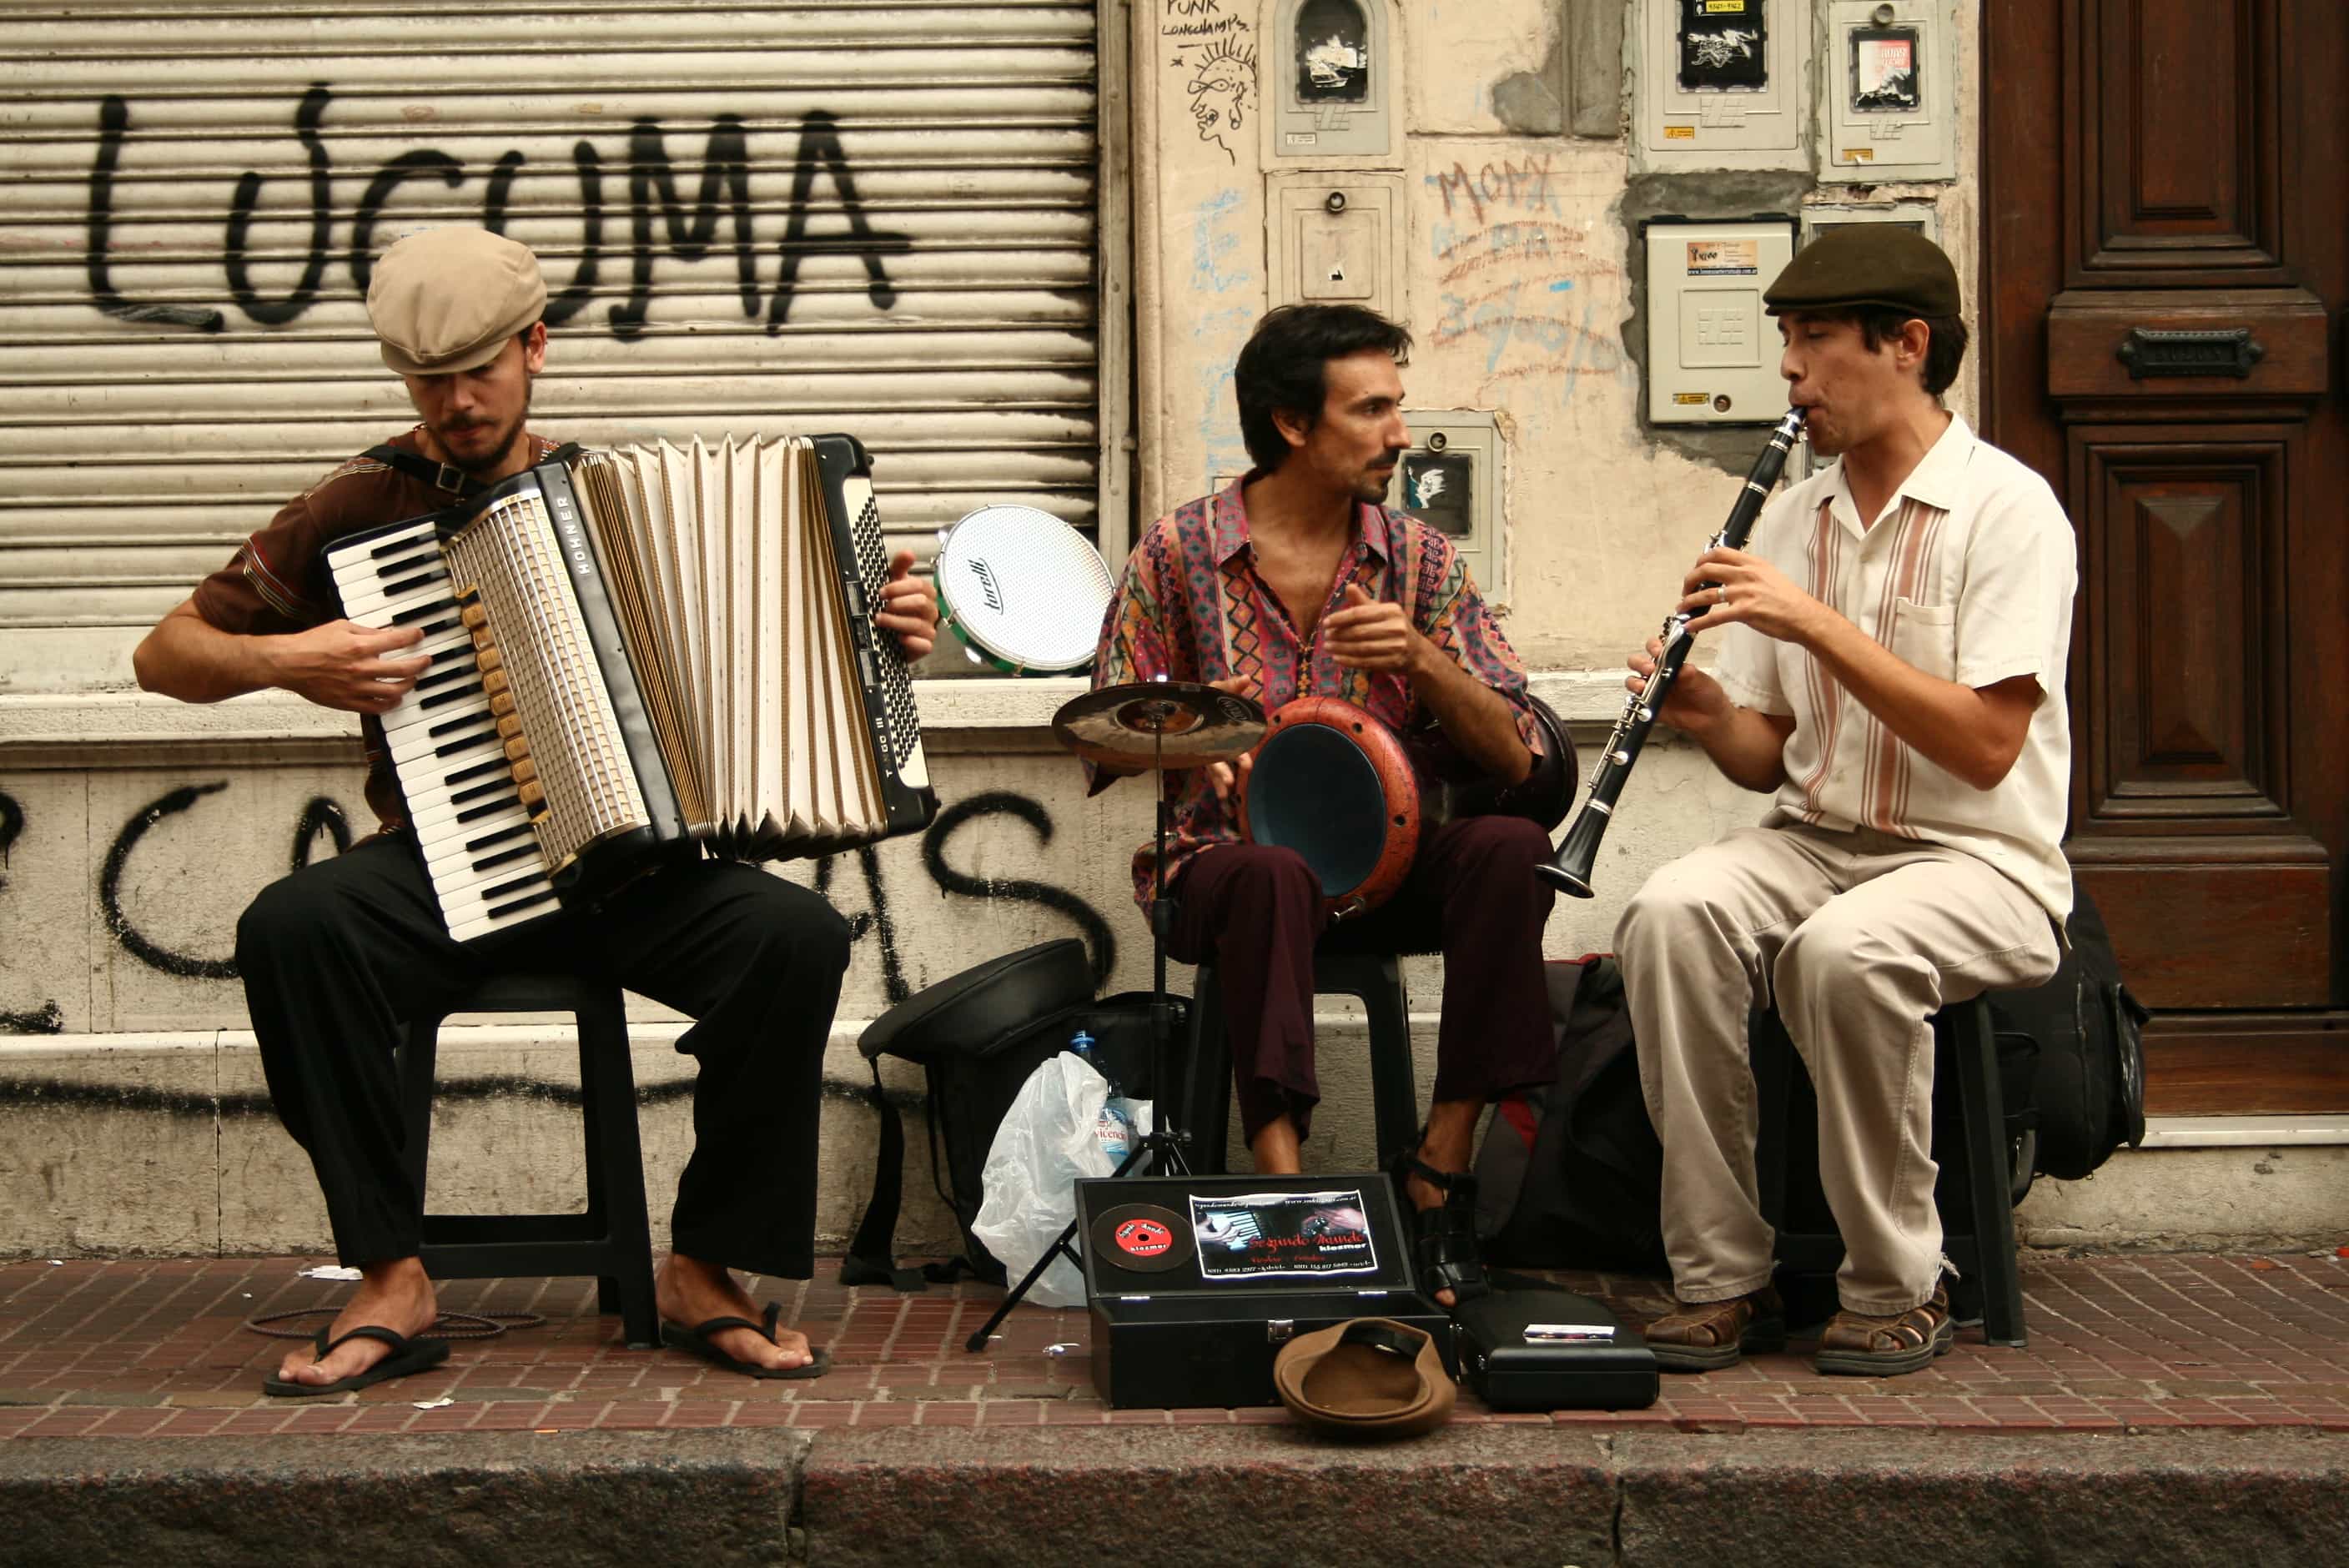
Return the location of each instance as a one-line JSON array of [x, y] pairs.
[[336, 955], [1296, 582]]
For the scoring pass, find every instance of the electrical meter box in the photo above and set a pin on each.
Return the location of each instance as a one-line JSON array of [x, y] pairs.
[[1890, 93], [1452, 480], [1712, 355], [1332, 78], [1918, 215], [1335, 238], [1721, 84]]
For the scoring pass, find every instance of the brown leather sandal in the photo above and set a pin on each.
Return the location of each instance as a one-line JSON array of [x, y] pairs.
[[1859, 1346], [1706, 1336]]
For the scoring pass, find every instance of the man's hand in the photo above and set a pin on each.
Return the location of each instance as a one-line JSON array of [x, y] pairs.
[[1227, 779], [1366, 634], [343, 665], [1696, 702], [909, 607], [1751, 591]]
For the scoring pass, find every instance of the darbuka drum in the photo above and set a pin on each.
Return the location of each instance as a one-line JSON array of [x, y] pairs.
[[1024, 591], [1333, 783]]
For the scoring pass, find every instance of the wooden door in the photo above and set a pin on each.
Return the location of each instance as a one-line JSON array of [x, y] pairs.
[[2165, 270]]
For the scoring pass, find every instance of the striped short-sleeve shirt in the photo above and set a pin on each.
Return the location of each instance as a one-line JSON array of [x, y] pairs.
[[1968, 575]]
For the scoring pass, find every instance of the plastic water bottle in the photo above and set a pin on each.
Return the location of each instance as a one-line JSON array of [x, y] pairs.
[[1113, 1129]]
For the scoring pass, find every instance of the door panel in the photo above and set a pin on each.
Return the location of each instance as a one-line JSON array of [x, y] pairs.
[[2159, 339]]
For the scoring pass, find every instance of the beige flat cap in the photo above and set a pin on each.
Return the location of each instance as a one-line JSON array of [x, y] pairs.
[[1370, 1378], [446, 299]]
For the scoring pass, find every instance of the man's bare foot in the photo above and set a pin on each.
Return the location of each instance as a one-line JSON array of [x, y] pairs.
[[687, 1291], [397, 1295]]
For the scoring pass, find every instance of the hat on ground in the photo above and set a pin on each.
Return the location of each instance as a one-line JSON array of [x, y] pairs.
[[1867, 264], [1372, 1376], [446, 299]]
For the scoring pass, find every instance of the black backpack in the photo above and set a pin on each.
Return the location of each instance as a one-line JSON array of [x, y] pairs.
[[1570, 1175], [2086, 1094], [977, 1036]]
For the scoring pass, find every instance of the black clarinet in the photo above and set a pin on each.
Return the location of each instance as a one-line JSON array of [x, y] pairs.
[[1569, 868]]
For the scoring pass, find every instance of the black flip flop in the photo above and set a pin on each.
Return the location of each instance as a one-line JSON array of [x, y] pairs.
[[407, 1356], [695, 1341]]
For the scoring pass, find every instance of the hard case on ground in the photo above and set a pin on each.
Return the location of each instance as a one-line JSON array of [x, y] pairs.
[[1179, 1317], [1540, 1349]]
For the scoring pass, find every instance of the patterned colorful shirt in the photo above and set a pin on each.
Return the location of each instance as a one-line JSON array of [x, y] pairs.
[[1193, 608]]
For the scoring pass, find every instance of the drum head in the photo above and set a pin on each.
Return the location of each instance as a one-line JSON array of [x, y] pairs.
[[1314, 791], [1023, 589]]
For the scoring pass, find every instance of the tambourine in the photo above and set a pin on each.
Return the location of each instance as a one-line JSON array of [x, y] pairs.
[[1024, 591], [1334, 784], [1341, 788]]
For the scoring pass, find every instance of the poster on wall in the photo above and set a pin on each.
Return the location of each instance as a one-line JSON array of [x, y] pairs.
[[1333, 53], [1438, 487], [1721, 45], [1884, 71]]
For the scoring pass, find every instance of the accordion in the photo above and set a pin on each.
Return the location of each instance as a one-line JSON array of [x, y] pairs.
[[640, 651]]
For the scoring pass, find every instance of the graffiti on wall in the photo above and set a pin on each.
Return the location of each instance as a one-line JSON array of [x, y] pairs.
[[47, 1019], [1211, 53], [661, 221], [322, 823], [1515, 278]]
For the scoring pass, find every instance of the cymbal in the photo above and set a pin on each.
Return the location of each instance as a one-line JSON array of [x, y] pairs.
[[1174, 724]]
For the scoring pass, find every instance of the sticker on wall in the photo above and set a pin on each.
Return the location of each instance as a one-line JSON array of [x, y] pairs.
[[1439, 487], [1884, 71], [1723, 46]]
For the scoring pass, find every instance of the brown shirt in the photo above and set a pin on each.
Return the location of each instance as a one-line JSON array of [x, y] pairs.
[[278, 582]]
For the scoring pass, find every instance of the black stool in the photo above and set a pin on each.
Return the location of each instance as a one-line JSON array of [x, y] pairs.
[[611, 1241], [1966, 1054], [1377, 979]]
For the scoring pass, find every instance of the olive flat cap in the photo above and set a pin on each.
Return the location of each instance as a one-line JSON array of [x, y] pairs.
[[446, 299], [1867, 264]]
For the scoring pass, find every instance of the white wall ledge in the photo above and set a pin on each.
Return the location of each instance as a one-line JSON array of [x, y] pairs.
[[55, 720]]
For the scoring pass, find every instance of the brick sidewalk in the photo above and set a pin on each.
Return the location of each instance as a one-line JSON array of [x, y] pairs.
[[157, 1348]]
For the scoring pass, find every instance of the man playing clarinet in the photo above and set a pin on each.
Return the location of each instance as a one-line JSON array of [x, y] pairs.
[[1293, 582], [335, 956], [1891, 659]]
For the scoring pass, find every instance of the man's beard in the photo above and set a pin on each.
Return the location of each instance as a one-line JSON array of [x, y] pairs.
[[498, 455]]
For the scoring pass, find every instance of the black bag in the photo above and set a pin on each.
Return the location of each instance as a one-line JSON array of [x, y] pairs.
[[2086, 1094], [978, 1036], [1570, 1175]]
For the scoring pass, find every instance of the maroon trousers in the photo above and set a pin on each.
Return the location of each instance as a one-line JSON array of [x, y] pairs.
[[1256, 912]]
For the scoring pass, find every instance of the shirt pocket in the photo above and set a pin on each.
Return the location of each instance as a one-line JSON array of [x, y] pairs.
[[1925, 637]]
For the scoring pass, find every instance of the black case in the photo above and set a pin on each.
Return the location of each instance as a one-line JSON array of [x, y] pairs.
[[1510, 1372], [1169, 1339]]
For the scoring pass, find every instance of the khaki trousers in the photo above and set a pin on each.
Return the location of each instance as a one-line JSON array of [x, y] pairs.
[[1859, 937]]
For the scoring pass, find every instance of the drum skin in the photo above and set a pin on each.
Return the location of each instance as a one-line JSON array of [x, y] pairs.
[[1334, 784]]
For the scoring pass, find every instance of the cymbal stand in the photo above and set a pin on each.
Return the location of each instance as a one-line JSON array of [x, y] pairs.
[[1167, 1138]]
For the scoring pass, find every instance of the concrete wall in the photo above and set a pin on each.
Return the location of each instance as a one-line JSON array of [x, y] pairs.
[[133, 830]]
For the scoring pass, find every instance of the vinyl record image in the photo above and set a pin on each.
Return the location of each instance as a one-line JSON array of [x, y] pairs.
[[1142, 1237]]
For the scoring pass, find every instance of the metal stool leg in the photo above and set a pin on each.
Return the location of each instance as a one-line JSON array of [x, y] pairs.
[[1377, 979], [615, 1169], [419, 1058], [1975, 1050], [1207, 1076]]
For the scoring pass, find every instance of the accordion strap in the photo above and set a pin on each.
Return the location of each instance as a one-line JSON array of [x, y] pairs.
[[447, 477]]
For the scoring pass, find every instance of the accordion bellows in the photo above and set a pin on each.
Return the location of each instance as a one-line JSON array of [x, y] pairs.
[[647, 647]]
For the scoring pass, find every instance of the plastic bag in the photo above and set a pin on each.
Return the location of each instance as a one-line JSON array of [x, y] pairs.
[[1028, 1185]]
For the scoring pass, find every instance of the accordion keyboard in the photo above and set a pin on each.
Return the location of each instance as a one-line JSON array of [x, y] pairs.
[[463, 802]]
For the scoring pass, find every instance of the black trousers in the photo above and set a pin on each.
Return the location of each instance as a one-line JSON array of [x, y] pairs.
[[1472, 895], [338, 956]]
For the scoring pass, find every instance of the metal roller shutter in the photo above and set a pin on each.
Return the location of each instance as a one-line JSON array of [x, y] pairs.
[[872, 217]]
